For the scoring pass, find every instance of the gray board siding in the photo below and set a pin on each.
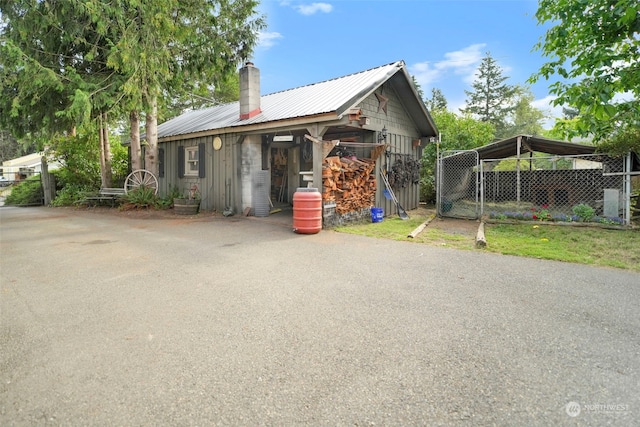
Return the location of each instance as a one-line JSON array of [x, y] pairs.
[[402, 132], [219, 181]]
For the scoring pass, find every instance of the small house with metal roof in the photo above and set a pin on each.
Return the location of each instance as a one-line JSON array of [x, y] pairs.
[[252, 155]]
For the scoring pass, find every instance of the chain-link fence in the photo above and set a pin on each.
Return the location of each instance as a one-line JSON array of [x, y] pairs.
[[561, 188], [555, 188], [457, 184]]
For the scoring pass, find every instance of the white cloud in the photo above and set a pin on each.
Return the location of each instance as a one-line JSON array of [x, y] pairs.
[[310, 9], [461, 62], [268, 39], [551, 111]]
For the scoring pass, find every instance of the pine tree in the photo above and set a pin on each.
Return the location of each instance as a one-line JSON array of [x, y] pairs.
[[59, 74], [491, 99], [437, 100]]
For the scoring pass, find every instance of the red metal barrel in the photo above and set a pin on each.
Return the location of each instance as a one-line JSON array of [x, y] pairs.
[[307, 211]]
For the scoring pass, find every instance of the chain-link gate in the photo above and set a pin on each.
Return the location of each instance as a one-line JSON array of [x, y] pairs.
[[457, 184]]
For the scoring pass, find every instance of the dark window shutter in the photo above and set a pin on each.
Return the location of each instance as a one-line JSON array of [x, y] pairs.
[[161, 162], [180, 161], [201, 157]]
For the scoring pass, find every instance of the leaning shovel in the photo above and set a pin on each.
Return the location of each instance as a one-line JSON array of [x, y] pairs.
[[401, 212]]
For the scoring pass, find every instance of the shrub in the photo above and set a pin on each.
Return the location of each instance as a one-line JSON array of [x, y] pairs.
[[584, 212], [27, 193], [70, 194], [427, 189], [141, 198]]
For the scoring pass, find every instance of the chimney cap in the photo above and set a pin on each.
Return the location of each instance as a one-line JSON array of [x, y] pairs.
[[248, 64]]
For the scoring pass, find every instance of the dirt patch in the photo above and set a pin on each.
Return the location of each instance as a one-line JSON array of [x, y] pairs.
[[465, 227]]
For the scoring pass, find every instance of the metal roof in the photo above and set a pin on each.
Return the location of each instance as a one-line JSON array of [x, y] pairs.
[[330, 96], [508, 147]]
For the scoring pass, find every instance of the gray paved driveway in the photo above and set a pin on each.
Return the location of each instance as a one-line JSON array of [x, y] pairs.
[[116, 321]]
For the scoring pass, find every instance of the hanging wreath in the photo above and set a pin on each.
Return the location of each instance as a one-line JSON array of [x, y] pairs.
[[404, 172]]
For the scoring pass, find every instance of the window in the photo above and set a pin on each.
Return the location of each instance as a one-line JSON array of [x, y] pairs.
[[191, 161]]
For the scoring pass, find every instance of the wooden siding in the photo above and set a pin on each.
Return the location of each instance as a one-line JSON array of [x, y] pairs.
[[219, 183], [401, 132]]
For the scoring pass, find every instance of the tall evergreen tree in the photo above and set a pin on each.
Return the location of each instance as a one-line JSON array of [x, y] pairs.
[[437, 100], [418, 87], [172, 47], [57, 73], [491, 99]]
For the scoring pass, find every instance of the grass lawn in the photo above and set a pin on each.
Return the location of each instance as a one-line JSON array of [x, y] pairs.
[[583, 245]]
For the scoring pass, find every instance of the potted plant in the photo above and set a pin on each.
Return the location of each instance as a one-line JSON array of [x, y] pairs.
[[188, 205]]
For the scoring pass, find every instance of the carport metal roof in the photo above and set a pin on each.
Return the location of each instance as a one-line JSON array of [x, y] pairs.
[[509, 147]]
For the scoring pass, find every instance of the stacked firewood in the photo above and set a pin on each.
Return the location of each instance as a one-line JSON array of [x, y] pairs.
[[349, 182]]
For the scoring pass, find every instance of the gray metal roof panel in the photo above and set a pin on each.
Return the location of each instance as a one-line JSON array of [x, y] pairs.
[[335, 95], [508, 147]]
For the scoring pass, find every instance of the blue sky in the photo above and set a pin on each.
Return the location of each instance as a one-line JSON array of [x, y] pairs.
[[441, 41]]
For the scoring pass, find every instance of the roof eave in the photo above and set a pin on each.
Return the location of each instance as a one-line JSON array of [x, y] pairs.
[[367, 91], [255, 127]]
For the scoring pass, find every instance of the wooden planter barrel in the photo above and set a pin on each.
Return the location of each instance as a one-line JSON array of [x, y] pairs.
[[186, 206]]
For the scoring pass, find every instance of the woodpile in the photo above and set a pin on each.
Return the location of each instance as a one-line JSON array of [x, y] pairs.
[[349, 182]]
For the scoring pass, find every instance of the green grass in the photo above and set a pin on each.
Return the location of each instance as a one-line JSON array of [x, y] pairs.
[[395, 228], [583, 245]]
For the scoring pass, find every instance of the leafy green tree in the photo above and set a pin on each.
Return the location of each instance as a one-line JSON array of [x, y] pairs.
[[538, 161], [620, 143], [491, 99], [457, 132], [525, 119], [437, 100], [594, 47]]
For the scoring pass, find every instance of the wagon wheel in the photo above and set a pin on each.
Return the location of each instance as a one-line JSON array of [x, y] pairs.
[[141, 178]]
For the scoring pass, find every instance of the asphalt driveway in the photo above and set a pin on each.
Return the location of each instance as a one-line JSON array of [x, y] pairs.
[[231, 321]]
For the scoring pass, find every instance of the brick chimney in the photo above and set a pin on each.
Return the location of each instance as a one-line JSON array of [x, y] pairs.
[[249, 91]]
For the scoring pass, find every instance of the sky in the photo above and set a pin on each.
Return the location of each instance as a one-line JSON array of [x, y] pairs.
[[442, 42]]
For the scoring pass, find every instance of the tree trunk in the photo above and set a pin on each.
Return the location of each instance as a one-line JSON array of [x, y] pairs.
[[103, 176], [105, 151], [136, 150], [151, 151]]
